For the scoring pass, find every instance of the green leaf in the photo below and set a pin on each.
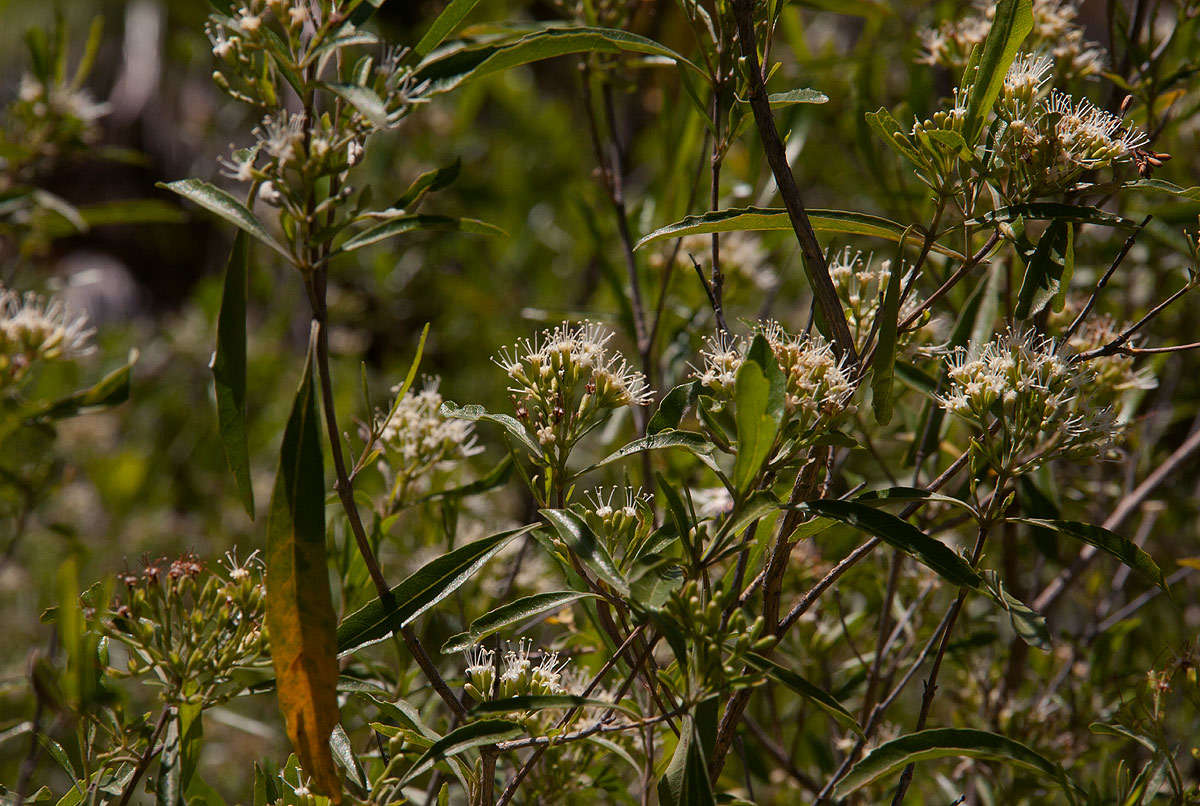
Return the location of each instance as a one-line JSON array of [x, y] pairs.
[[1028, 624], [436, 580], [810, 691], [300, 618], [217, 201], [415, 223], [758, 395], [670, 438], [673, 406], [801, 96], [450, 70], [891, 130], [109, 391], [532, 702], [498, 476], [1044, 270], [364, 11], [343, 754], [1164, 186], [583, 543], [475, 413], [365, 100], [229, 370], [883, 367], [1047, 211], [446, 22], [476, 734], [904, 495], [925, 745], [776, 218], [989, 62], [1123, 549], [685, 783], [518, 612], [901, 534], [429, 182]]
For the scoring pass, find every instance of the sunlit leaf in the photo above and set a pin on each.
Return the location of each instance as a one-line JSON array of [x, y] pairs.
[[300, 618]]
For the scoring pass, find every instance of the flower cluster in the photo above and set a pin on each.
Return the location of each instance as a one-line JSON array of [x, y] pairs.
[[861, 282], [1055, 30], [566, 381], [621, 516], [418, 439], [518, 674], [817, 387], [1112, 377], [191, 628], [33, 329], [256, 48], [1026, 398]]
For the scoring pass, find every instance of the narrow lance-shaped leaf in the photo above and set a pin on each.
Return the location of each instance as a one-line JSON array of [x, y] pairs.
[[926, 745], [669, 438], [448, 71], [435, 581], [217, 201], [901, 534], [518, 612], [685, 783], [475, 734], [587, 548], [804, 688], [1011, 23], [1045, 211], [414, 223], [758, 393], [885, 351], [1027, 623], [229, 369], [1122, 548], [1044, 271], [446, 22], [111, 390], [767, 219], [300, 618]]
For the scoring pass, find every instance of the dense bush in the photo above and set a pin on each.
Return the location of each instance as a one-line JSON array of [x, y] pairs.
[[886, 498]]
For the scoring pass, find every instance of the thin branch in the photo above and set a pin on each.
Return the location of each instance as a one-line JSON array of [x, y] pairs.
[[815, 268], [1103, 281]]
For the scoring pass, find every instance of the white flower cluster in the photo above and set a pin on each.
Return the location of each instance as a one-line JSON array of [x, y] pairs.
[[1112, 377], [1055, 30], [818, 386], [1026, 398], [1049, 140], [1089, 135], [566, 380], [418, 438], [861, 282], [33, 329], [518, 674]]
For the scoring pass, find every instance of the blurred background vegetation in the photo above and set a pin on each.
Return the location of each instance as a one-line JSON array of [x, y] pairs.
[[148, 478]]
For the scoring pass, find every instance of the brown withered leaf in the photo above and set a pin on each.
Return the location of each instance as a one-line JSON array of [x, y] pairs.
[[300, 617]]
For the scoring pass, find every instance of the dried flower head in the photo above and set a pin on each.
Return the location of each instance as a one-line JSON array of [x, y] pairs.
[[1025, 397]]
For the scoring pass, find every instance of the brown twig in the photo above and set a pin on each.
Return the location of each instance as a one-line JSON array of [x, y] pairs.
[[817, 271]]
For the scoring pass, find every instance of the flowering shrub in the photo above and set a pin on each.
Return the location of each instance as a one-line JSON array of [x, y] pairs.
[[705, 532]]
